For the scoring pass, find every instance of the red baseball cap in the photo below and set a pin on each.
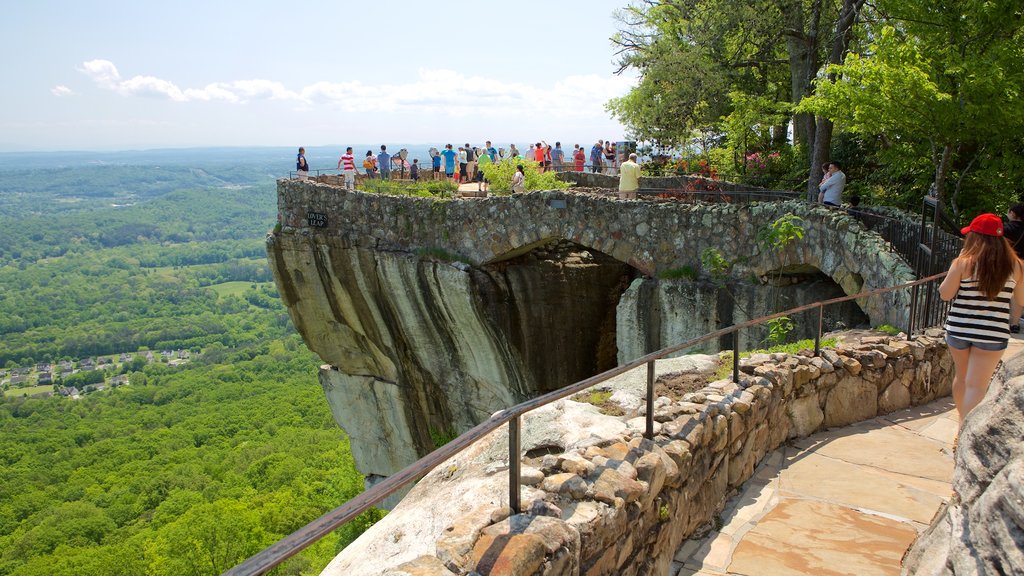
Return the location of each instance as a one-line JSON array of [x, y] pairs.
[[987, 224]]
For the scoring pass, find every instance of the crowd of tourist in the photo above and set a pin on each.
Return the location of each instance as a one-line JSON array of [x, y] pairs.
[[463, 164]]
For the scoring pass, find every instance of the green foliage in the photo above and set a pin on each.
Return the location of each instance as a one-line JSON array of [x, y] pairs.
[[442, 437], [499, 174], [887, 329], [941, 85], [778, 330], [423, 188], [184, 471], [781, 233], [685, 272], [715, 264]]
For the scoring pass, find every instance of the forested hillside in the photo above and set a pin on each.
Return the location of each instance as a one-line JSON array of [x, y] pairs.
[[185, 470]]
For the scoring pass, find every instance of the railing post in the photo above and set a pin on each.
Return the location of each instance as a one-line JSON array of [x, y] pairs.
[[649, 433], [736, 356], [817, 337], [514, 474]]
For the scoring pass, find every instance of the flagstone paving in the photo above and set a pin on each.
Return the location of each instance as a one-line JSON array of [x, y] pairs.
[[848, 501]]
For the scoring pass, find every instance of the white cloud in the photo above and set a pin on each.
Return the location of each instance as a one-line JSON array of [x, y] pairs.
[[434, 91], [61, 90]]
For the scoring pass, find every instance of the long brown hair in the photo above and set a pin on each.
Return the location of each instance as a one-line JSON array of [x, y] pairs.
[[991, 261]]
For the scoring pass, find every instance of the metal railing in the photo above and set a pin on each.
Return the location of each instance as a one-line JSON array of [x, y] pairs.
[[306, 536]]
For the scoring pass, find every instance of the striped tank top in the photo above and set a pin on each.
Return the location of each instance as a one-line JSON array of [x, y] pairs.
[[975, 318]]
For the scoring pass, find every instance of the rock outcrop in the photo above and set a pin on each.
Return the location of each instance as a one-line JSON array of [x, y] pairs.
[[981, 531]]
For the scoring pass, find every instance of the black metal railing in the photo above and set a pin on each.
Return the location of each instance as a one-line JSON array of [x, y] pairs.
[[309, 534]]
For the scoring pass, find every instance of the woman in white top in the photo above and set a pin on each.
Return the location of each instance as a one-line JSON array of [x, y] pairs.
[[986, 284], [519, 180]]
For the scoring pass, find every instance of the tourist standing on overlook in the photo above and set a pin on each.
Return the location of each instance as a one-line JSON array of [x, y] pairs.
[[519, 180], [370, 165], [347, 164], [463, 162], [513, 152], [986, 284], [539, 154], [470, 163], [609, 156], [595, 156], [558, 156], [831, 189], [580, 158], [481, 178], [629, 178], [435, 163], [384, 163], [301, 168], [449, 161], [491, 151]]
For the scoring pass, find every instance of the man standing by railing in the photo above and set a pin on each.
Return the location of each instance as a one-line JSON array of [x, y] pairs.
[[831, 189], [347, 164], [384, 163], [629, 178]]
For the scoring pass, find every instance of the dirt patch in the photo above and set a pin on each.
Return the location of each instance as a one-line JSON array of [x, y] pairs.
[[676, 384]]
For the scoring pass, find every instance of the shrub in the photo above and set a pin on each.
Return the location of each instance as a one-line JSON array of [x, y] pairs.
[[499, 174]]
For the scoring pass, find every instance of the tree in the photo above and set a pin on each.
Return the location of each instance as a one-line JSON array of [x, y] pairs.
[[691, 54], [945, 76]]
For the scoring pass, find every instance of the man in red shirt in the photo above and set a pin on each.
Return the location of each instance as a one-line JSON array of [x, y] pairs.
[[347, 164]]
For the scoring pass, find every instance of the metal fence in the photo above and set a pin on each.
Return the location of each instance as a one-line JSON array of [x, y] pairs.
[[306, 536]]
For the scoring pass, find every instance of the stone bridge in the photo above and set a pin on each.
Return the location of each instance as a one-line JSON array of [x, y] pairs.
[[430, 315], [656, 238]]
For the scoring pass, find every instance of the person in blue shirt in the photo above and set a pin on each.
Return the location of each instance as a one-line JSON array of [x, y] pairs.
[[491, 152], [384, 163], [449, 160], [435, 161]]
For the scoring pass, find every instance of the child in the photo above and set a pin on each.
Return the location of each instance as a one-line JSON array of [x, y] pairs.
[[414, 170]]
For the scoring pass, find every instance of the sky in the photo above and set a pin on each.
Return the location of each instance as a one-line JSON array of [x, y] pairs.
[[123, 75]]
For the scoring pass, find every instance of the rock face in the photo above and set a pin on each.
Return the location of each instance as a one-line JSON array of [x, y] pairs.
[[982, 531], [430, 316], [600, 499]]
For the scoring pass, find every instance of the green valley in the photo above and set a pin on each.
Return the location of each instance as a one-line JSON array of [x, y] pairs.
[[185, 469]]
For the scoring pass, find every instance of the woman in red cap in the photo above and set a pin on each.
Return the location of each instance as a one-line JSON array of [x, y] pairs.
[[986, 284]]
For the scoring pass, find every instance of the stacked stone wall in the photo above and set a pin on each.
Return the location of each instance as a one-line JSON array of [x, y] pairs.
[[610, 501], [656, 238]]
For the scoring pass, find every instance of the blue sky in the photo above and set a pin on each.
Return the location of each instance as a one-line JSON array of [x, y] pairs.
[[107, 75]]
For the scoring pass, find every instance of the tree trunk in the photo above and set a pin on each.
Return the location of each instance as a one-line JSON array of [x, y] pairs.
[[848, 17], [802, 47]]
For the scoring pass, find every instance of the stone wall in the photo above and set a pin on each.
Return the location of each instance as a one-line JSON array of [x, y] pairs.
[[981, 529], [654, 237], [600, 499]]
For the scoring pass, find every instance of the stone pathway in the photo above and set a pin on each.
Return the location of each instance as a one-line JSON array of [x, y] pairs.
[[842, 502]]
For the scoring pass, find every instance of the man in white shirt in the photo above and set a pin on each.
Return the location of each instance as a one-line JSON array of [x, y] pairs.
[[831, 189]]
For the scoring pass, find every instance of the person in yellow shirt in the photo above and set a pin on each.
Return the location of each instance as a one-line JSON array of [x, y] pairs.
[[629, 178]]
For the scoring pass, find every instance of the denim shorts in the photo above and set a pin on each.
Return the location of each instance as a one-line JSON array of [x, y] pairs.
[[961, 344]]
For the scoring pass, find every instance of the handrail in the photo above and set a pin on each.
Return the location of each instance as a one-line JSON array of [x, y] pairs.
[[309, 534]]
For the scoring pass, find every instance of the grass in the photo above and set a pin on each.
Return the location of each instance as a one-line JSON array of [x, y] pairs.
[[16, 392], [439, 254], [601, 399], [685, 272], [887, 329]]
